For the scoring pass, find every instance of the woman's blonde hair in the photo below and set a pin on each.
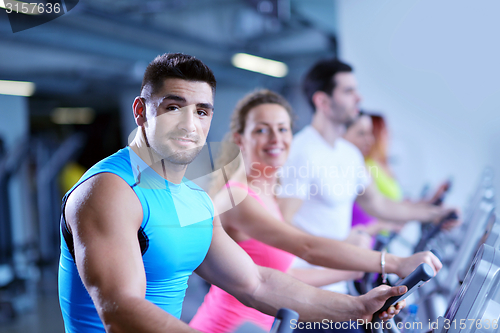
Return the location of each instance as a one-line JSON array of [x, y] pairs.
[[227, 159]]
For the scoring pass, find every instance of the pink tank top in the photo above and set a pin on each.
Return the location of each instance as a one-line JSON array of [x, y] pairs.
[[221, 312]]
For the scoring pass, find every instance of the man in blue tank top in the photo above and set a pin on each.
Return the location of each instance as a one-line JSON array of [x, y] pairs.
[[134, 229]]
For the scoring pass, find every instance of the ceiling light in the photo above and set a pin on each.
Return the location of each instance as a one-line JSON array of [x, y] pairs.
[[259, 65], [65, 116], [17, 88]]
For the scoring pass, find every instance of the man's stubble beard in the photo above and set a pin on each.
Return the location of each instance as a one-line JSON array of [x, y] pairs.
[[164, 153], [183, 157]]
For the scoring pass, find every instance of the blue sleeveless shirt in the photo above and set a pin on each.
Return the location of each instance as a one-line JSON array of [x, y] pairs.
[[174, 236]]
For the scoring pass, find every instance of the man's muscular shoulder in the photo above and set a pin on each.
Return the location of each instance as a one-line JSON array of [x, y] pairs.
[[101, 197]]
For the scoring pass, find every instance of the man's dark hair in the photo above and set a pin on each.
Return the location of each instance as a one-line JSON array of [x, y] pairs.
[[321, 77], [176, 66]]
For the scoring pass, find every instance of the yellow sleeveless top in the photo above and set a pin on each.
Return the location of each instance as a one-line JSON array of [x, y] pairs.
[[387, 185]]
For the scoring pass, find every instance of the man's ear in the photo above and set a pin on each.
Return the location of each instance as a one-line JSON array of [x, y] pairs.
[[320, 100], [139, 108]]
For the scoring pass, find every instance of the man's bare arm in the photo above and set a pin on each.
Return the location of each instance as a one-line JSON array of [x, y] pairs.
[[265, 289], [104, 215]]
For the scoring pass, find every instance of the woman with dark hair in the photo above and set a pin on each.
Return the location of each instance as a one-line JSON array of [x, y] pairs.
[[377, 158], [245, 195], [369, 134]]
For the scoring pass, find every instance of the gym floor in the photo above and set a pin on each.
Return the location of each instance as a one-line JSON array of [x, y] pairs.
[[45, 318]]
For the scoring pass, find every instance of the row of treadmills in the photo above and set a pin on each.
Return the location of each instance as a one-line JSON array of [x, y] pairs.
[[465, 295]]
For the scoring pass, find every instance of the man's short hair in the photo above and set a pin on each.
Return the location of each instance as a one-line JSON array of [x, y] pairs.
[[321, 77], [175, 66]]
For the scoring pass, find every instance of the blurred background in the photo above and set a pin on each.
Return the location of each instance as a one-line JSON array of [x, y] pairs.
[[430, 67]]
